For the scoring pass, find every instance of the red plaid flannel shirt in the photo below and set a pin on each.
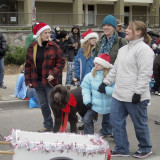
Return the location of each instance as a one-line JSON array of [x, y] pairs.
[[53, 64]]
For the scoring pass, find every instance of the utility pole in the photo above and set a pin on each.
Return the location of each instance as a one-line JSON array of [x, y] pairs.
[[33, 12]]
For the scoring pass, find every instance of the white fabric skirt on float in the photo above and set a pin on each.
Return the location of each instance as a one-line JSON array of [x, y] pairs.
[[57, 146]]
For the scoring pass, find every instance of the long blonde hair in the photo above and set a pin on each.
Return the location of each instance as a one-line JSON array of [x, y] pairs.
[[87, 49], [139, 25], [21, 68], [39, 40], [105, 72]]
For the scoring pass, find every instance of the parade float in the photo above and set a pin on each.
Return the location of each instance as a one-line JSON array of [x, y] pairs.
[[57, 146]]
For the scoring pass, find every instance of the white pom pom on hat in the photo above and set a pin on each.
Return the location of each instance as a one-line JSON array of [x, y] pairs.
[[39, 28], [104, 60]]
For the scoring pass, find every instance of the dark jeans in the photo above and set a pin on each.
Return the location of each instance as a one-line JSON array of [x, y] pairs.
[[88, 121], [106, 126], [43, 96], [32, 93], [1, 70], [138, 113]]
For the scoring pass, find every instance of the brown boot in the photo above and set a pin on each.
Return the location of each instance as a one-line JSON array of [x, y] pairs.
[[45, 129]]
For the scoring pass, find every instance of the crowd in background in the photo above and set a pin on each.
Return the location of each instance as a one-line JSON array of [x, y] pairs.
[[114, 71]]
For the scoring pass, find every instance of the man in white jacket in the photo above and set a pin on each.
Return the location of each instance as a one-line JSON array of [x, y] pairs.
[[131, 73]]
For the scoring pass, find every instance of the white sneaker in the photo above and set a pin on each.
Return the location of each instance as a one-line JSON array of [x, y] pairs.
[[156, 92]]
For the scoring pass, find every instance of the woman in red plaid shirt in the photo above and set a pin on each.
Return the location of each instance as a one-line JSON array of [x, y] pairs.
[[44, 65]]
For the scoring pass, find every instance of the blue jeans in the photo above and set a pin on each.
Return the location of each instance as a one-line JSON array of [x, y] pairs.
[[88, 122], [43, 93], [1, 70], [106, 126], [32, 93], [138, 113], [70, 72]]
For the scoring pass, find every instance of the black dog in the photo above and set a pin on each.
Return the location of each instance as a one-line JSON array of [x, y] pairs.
[[60, 96]]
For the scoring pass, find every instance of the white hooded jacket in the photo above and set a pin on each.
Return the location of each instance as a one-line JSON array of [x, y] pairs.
[[132, 71]]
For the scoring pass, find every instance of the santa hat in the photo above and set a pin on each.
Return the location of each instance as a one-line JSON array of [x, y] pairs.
[[104, 60], [87, 35], [154, 46], [39, 28]]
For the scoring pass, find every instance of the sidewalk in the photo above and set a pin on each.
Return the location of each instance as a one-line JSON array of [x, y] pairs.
[[7, 98]]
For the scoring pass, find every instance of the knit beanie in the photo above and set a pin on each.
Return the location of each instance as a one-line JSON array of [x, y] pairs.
[[104, 60], [57, 29], [87, 35], [39, 28], [111, 20]]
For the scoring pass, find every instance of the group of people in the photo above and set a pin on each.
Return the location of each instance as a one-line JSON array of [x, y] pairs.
[[113, 71]]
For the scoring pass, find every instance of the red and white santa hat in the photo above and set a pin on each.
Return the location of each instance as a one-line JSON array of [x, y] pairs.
[[39, 28], [104, 60], [87, 35]]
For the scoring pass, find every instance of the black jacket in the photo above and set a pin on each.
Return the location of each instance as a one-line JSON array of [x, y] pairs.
[[2, 46], [156, 69]]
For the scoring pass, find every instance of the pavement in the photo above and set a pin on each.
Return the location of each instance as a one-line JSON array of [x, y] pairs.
[[8, 100]]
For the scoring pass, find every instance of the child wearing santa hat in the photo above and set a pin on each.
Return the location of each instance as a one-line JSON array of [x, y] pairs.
[[95, 101], [83, 62]]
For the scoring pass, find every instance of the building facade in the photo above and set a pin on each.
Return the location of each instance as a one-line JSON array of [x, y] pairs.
[[82, 12]]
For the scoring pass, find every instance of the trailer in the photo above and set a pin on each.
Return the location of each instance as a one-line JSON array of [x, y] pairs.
[[57, 146]]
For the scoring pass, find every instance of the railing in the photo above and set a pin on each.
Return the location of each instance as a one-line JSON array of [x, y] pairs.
[[68, 19]]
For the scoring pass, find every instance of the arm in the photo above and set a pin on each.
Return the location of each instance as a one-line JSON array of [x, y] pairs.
[[3, 46], [86, 89], [70, 43], [77, 65], [28, 65], [60, 62], [111, 76], [145, 62], [156, 70]]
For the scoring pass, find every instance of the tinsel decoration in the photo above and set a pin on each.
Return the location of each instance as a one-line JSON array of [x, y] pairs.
[[99, 146]]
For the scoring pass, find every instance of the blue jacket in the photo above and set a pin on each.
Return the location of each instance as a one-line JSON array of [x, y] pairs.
[[21, 88], [101, 102], [82, 66]]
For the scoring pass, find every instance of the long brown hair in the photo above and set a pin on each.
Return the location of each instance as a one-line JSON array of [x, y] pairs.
[[105, 72], [139, 25], [87, 49]]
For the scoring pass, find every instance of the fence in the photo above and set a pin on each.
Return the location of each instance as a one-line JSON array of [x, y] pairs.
[[68, 19]]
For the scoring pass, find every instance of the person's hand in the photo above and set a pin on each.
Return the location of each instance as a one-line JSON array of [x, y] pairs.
[[29, 86], [101, 88], [75, 45], [136, 98], [89, 105], [75, 79], [50, 77], [57, 40]]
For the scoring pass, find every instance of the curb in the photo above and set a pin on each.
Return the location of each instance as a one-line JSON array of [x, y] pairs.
[[14, 104]]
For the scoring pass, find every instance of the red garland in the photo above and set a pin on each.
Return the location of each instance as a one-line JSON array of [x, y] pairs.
[[66, 110]]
